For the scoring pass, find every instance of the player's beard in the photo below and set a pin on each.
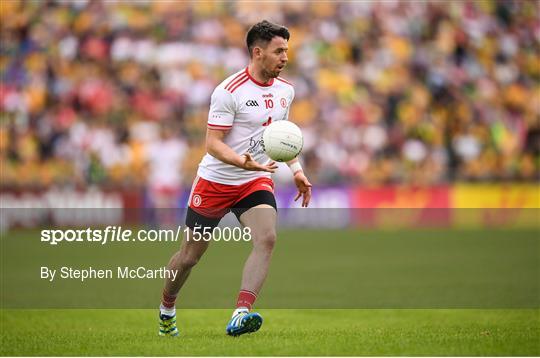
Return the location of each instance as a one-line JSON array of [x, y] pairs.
[[272, 73], [269, 74]]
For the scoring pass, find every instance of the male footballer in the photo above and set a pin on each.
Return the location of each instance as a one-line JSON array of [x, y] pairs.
[[234, 175]]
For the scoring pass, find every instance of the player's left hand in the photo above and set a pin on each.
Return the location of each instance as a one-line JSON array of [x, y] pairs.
[[304, 188]]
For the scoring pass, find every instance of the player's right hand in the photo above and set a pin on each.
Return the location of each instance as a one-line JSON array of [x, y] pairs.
[[252, 164]]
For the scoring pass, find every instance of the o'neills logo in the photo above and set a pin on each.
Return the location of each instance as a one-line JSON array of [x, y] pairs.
[[196, 200], [288, 145]]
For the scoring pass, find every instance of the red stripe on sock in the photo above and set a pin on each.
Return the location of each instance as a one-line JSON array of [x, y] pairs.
[[168, 301], [246, 299]]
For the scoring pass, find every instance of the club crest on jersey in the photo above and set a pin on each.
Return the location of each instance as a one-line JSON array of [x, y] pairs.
[[283, 102], [252, 103]]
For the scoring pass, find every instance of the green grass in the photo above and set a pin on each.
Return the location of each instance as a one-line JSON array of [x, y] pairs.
[[329, 292], [310, 269], [284, 333]]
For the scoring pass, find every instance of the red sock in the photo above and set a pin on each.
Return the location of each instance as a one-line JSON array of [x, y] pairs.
[[167, 300], [246, 299]]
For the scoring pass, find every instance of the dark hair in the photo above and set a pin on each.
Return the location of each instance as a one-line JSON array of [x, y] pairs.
[[264, 32]]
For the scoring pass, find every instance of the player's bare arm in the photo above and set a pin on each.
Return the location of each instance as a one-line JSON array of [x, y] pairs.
[[219, 150], [302, 183]]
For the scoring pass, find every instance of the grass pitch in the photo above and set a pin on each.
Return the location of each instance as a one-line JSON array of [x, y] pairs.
[[311, 269], [393, 290], [432, 332]]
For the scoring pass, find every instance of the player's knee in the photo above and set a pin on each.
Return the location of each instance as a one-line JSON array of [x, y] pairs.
[[266, 240]]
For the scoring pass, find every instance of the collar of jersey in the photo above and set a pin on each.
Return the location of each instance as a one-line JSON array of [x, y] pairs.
[[257, 82]]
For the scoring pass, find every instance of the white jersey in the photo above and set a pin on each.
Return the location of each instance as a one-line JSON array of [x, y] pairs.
[[244, 107]]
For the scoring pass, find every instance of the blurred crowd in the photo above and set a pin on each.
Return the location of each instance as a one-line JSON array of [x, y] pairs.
[[386, 92]]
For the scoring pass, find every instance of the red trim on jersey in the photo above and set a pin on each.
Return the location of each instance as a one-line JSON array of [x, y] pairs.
[[240, 79], [234, 79], [284, 80], [216, 126], [259, 83], [238, 85]]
